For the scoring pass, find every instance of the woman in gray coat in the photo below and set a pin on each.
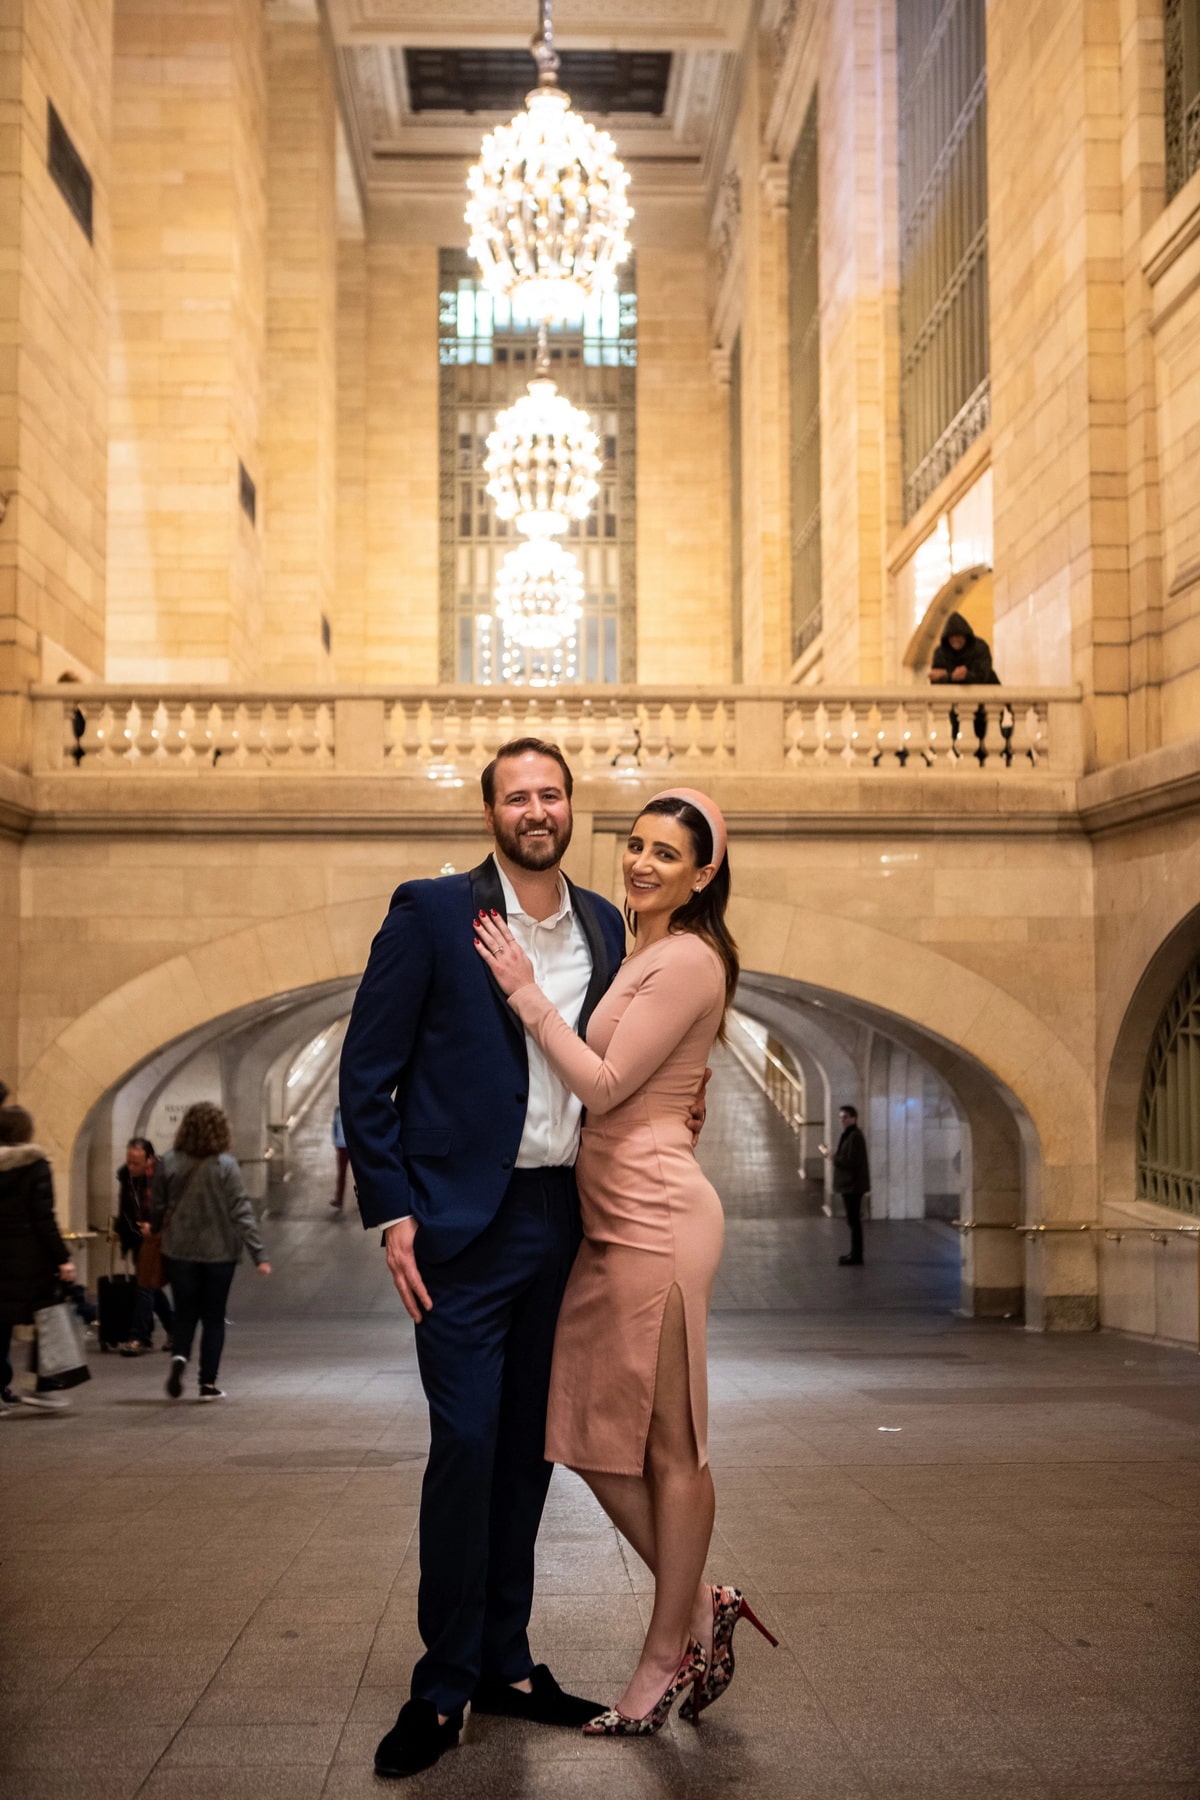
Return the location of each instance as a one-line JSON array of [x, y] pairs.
[[207, 1219]]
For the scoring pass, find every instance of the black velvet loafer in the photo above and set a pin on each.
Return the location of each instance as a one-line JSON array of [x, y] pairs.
[[416, 1740], [546, 1705]]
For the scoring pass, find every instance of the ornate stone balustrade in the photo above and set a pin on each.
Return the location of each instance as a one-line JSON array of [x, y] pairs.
[[450, 733]]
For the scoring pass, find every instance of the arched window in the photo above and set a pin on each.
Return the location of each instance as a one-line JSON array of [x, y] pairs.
[[1169, 1115]]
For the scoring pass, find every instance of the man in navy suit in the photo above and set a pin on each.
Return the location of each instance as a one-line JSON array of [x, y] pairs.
[[462, 1142]]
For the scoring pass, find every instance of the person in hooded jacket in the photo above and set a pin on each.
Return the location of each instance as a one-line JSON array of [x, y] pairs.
[[963, 657], [33, 1256]]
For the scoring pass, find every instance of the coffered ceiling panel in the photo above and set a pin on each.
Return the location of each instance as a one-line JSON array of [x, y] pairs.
[[676, 61]]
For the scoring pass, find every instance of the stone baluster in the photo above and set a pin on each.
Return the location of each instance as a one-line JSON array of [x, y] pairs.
[[793, 736], [614, 733], [186, 731], [241, 732], [692, 754], [106, 734], [132, 732], [296, 732], [481, 754], [879, 736], [451, 731], [822, 733], [851, 752], [587, 737], [214, 734], [325, 736], [395, 730], [160, 725], [425, 728]]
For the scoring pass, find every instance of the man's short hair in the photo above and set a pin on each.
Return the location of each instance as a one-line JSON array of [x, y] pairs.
[[852, 1110], [522, 747]]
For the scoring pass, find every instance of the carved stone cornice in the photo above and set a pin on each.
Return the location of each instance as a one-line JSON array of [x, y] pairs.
[[795, 43]]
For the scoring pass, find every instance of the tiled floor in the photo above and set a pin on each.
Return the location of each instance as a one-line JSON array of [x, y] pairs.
[[979, 1547]]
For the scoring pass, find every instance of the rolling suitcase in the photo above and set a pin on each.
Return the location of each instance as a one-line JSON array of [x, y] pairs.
[[116, 1302]]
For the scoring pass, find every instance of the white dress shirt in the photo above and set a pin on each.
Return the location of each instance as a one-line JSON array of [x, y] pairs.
[[562, 968]]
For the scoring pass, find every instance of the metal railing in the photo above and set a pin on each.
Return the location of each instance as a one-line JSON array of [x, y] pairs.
[[1161, 1234]]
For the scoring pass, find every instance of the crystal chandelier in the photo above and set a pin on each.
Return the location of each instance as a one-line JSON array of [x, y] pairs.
[[539, 594], [542, 458], [547, 207]]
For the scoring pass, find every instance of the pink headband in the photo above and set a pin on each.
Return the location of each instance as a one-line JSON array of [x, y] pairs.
[[709, 811]]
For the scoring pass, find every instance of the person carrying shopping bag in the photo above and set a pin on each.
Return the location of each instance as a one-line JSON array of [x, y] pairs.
[[33, 1257]]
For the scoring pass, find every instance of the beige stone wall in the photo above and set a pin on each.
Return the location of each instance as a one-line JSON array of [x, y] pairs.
[[10, 960], [1171, 258], [187, 347], [1147, 880], [53, 323], [1059, 415], [766, 509], [400, 635], [349, 614], [683, 624], [860, 400], [299, 452]]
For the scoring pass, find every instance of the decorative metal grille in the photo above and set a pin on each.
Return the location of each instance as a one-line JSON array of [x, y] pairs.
[[804, 372], [1169, 1116], [735, 504], [1181, 97], [945, 394], [487, 356]]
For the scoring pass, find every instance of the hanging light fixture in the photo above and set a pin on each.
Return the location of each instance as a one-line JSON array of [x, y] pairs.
[[539, 594], [542, 458], [547, 207]]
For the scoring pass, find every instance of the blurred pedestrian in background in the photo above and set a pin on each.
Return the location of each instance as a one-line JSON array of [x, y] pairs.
[[851, 1179], [962, 656], [33, 1256], [206, 1219], [135, 1207]]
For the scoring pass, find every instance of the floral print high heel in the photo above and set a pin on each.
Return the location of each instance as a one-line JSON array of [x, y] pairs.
[[729, 1605], [690, 1673]]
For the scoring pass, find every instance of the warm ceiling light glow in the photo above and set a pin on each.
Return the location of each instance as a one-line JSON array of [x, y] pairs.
[[547, 206], [543, 461], [539, 594]]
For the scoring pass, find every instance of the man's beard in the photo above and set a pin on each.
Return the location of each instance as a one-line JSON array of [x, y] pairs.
[[534, 853]]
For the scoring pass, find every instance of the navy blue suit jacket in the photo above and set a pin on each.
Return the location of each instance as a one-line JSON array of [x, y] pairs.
[[434, 1075]]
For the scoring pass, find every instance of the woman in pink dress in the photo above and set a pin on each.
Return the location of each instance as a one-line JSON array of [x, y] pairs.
[[629, 1392]]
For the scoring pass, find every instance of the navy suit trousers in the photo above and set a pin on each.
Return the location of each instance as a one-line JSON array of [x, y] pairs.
[[484, 1353]]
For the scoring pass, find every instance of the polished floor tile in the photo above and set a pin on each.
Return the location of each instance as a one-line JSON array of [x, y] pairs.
[[978, 1547]]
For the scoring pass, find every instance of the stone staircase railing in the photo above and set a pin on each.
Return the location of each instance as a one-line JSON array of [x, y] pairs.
[[449, 733]]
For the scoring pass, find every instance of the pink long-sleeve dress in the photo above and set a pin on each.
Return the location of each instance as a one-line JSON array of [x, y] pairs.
[[651, 1220]]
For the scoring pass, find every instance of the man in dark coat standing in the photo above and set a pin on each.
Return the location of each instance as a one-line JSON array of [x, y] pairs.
[[851, 1179]]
